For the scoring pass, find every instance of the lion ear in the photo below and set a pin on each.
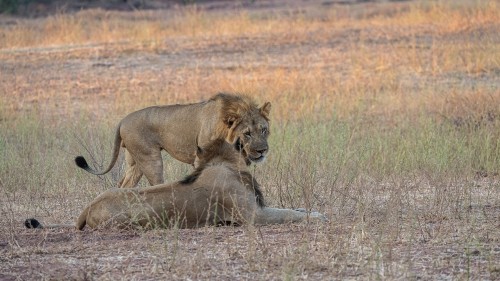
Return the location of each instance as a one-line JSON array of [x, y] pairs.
[[265, 109]]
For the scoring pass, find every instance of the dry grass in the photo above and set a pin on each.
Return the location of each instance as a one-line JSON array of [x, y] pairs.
[[386, 117]]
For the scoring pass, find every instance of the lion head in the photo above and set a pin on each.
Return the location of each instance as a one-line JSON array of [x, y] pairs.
[[245, 125]]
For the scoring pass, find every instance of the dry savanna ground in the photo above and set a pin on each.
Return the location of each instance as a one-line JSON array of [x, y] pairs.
[[386, 118]]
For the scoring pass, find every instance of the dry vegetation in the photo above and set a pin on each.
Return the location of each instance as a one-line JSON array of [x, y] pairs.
[[386, 117]]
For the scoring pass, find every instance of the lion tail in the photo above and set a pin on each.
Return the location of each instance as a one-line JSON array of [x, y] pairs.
[[80, 223], [82, 163], [34, 223]]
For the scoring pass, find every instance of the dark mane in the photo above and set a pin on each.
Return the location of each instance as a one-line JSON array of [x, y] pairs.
[[247, 179], [235, 103], [208, 154], [216, 149], [189, 179], [239, 147], [250, 183]]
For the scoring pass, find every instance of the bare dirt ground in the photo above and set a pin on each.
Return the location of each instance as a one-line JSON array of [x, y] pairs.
[[62, 82], [266, 253]]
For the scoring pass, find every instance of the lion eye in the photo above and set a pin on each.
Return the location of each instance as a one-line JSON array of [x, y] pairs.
[[264, 131], [248, 134]]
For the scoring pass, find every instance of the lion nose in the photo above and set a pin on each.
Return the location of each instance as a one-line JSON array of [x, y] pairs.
[[262, 151]]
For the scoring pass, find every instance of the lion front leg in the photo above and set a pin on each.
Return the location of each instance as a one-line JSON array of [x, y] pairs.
[[279, 216]]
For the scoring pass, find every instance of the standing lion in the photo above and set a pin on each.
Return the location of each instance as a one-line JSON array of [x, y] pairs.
[[180, 129]]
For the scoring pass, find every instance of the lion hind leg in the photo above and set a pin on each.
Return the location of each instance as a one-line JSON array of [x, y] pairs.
[[151, 165], [131, 177], [132, 172]]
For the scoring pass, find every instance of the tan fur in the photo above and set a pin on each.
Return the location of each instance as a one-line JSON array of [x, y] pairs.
[[179, 129], [220, 191]]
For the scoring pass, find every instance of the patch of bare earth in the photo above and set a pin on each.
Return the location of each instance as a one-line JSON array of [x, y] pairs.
[[336, 250]]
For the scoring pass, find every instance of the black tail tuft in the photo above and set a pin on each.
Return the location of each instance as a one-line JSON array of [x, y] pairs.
[[81, 162], [32, 223]]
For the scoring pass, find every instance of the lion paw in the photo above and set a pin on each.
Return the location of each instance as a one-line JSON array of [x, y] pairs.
[[319, 216], [313, 214]]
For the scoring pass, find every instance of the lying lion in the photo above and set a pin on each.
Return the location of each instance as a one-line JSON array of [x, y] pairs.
[[220, 191], [180, 129]]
